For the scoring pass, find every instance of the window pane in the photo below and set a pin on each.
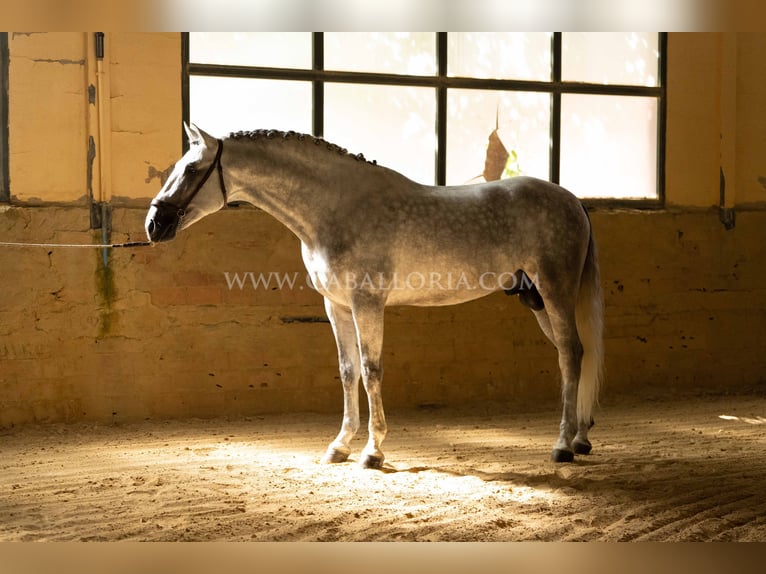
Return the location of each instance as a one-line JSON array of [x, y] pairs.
[[269, 49], [500, 55], [393, 125], [223, 105], [630, 58], [609, 146], [412, 53], [524, 130]]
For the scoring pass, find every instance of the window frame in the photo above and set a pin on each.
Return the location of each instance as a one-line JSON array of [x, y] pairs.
[[442, 82]]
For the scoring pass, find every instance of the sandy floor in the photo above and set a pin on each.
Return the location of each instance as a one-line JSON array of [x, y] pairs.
[[660, 470]]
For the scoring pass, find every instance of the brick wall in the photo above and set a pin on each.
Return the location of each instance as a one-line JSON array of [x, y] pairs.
[[164, 336]]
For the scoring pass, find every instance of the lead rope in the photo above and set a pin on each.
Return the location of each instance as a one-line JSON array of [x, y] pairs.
[[79, 245]]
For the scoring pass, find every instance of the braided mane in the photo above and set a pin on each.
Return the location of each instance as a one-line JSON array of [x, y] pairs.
[[284, 136]]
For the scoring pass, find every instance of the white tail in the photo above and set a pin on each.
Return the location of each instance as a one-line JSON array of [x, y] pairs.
[[590, 326]]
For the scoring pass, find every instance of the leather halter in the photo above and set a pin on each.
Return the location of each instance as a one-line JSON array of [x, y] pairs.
[[181, 209]]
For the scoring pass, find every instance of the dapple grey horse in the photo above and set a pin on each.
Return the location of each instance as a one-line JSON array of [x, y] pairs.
[[371, 237]]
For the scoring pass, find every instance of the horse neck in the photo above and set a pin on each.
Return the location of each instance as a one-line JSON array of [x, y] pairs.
[[288, 179]]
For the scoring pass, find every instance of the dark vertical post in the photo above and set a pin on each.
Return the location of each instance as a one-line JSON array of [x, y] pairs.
[[99, 40], [555, 159], [441, 109], [5, 193], [106, 212], [661, 117], [185, 96], [317, 65]]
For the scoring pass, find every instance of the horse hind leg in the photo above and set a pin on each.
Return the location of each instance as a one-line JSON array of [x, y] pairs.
[[531, 298], [544, 321], [350, 370], [570, 351], [581, 444]]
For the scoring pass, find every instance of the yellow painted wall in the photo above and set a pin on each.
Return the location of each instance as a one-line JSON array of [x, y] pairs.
[[161, 335], [692, 146], [750, 118], [145, 83], [47, 105], [52, 113]]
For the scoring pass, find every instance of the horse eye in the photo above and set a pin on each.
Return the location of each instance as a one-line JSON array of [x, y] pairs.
[[190, 170]]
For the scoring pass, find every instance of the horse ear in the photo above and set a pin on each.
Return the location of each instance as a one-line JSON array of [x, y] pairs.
[[201, 137], [192, 133]]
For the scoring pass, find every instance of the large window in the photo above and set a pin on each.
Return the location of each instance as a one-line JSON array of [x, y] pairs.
[[582, 109]]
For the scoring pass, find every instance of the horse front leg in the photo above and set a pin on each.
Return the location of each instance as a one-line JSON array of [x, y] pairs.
[[348, 360], [368, 318]]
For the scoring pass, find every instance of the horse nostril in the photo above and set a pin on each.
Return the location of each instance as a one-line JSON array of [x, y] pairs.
[[150, 227]]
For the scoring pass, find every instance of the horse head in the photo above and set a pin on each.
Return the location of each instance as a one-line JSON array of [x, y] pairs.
[[187, 195]]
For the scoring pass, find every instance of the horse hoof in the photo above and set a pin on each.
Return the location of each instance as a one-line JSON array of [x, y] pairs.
[[561, 455], [334, 456], [582, 447], [372, 461]]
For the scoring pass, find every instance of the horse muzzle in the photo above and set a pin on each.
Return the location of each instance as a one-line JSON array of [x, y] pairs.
[[162, 222]]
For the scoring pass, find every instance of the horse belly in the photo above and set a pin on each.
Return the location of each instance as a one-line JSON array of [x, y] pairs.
[[438, 293], [446, 284], [421, 286]]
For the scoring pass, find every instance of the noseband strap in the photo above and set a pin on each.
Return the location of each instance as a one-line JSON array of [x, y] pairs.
[[181, 209]]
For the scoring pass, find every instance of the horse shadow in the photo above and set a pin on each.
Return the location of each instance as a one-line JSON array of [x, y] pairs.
[[563, 477]]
